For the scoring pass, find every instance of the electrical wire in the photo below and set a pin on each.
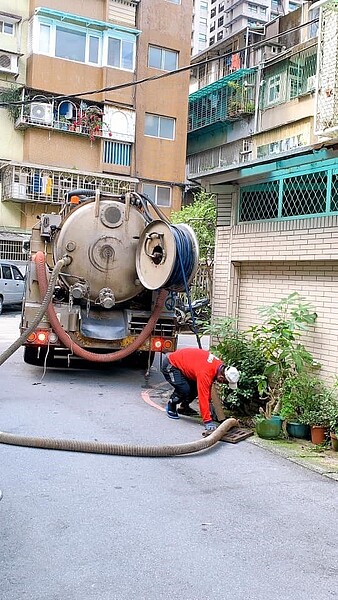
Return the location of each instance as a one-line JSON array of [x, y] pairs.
[[163, 75]]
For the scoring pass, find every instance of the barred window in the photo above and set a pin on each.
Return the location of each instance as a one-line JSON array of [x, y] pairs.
[[116, 153], [289, 197]]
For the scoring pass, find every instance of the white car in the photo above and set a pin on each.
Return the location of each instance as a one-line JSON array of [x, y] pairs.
[[12, 285]]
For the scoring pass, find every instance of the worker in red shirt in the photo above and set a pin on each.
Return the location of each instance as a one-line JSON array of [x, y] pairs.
[[191, 372]]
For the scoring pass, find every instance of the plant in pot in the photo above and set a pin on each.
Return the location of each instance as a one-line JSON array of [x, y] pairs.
[[278, 338], [317, 413], [295, 394], [333, 418]]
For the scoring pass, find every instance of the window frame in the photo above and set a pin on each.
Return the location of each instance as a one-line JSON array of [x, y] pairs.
[[160, 117], [158, 187], [5, 23], [102, 38], [163, 51]]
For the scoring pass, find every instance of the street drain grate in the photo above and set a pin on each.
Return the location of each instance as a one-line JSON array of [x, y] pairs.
[[236, 434]]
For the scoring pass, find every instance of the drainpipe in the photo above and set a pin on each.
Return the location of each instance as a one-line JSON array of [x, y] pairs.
[[259, 84]]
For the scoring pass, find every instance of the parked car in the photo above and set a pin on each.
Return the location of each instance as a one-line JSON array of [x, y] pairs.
[[11, 285]]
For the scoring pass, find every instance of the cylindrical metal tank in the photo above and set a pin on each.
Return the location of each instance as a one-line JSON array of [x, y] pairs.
[[102, 247]]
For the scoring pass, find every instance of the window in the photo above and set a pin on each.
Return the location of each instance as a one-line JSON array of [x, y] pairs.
[[220, 21], [221, 7], [274, 89], [204, 5], [161, 127], [212, 40], [160, 194], [7, 27], [161, 58], [120, 54], [253, 8], [85, 45], [116, 153], [220, 35], [6, 272], [174, 1], [70, 44]]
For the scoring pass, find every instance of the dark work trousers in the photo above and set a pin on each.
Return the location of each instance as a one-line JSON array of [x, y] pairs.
[[185, 390]]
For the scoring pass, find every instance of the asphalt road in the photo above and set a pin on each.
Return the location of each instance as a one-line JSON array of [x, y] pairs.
[[235, 522]]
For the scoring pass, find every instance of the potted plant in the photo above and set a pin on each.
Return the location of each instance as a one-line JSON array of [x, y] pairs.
[[317, 413], [299, 393], [333, 419], [278, 338]]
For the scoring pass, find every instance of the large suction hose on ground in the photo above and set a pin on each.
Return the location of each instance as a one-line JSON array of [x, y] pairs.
[[120, 449], [73, 346]]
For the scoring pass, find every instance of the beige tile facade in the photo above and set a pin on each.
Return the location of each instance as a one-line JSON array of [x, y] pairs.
[[260, 263]]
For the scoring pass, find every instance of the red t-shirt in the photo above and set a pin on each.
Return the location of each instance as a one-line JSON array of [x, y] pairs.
[[200, 366]]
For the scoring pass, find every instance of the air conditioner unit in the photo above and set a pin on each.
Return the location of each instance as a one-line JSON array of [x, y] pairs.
[[9, 63], [41, 112]]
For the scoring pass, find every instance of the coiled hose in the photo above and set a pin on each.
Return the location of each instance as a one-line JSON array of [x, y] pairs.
[[120, 449]]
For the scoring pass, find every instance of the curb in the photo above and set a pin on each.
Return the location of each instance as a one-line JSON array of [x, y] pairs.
[[301, 454]]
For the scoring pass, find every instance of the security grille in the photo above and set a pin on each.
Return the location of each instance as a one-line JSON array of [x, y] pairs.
[[290, 78], [12, 250], [326, 115], [50, 185], [290, 197], [117, 153], [227, 99]]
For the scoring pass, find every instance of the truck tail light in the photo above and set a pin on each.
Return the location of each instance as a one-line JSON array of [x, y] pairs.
[[42, 337], [158, 344]]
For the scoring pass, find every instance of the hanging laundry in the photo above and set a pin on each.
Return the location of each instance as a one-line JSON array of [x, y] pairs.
[[46, 185], [235, 61], [37, 183]]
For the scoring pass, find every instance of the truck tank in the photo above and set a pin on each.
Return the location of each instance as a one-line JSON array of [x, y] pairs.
[[120, 259]]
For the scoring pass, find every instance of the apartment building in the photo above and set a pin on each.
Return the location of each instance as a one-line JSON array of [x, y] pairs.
[[200, 26], [228, 17], [263, 138], [79, 118]]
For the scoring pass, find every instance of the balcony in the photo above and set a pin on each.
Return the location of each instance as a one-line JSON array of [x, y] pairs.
[[225, 156], [228, 99], [41, 184]]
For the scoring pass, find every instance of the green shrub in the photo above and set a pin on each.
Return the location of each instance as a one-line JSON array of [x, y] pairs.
[[233, 348]]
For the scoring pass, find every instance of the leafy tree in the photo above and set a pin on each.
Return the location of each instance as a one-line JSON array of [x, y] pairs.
[[201, 216]]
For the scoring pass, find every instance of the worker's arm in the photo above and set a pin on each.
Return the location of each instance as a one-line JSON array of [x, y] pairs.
[[204, 395]]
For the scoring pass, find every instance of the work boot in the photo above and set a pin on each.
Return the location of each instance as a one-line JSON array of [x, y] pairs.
[[171, 410], [185, 409]]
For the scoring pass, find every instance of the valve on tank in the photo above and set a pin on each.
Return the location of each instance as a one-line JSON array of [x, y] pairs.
[[79, 290], [106, 298]]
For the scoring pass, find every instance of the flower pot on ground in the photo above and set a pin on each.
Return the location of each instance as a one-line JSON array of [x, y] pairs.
[[318, 434], [268, 429], [298, 430], [334, 441]]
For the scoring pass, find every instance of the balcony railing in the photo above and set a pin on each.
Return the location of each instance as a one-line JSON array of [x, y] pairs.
[[226, 100], [217, 158], [45, 185]]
